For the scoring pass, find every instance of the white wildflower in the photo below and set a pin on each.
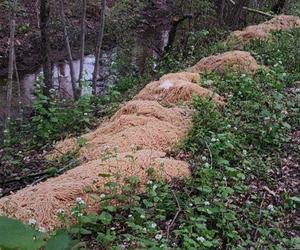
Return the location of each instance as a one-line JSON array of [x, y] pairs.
[[142, 216], [102, 196], [42, 230], [213, 139], [201, 239], [158, 237], [271, 207], [154, 187], [60, 211], [112, 228], [130, 215], [85, 114], [206, 203], [145, 229], [31, 221], [153, 225], [149, 182], [204, 158], [79, 201], [244, 152], [206, 165], [191, 204]]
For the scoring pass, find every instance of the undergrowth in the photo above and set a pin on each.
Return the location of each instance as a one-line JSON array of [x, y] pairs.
[[235, 152]]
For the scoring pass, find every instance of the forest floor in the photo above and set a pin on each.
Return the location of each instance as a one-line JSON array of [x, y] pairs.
[[246, 164]]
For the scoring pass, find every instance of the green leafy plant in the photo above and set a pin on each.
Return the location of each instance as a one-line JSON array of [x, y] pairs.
[[16, 235]]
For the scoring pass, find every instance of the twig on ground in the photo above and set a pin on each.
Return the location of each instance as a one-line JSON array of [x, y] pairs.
[[44, 174], [179, 209], [270, 191], [58, 151], [259, 218]]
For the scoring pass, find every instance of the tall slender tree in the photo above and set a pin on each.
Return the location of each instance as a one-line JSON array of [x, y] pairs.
[[82, 44], [98, 46], [45, 45], [69, 51], [18, 84], [12, 27], [220, 11]]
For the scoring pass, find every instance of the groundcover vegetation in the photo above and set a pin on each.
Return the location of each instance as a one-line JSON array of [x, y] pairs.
[[239, 195]]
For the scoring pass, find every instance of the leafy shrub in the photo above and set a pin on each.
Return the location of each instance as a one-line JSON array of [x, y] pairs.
[[281, 50]]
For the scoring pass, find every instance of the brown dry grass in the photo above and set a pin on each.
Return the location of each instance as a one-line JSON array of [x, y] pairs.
[[135, 139], [240, 61], [172, 90], [43, 201], [261, 31], [138, 124]]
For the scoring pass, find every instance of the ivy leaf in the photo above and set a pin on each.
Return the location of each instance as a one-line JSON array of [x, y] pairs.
[[16, 235], [295, 199], [60, 241], [105, 218]]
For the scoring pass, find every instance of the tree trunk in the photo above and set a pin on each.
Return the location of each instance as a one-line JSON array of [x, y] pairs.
[[221, 15], [278, 7], [82, 45], [69, 51], [45, 45], [237, 11], [98, 46], [18, 84], [172, 34], [12, 27], [36, 6], [219, 7]]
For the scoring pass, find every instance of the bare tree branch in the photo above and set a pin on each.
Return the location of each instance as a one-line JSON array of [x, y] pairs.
[[253, 10]]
